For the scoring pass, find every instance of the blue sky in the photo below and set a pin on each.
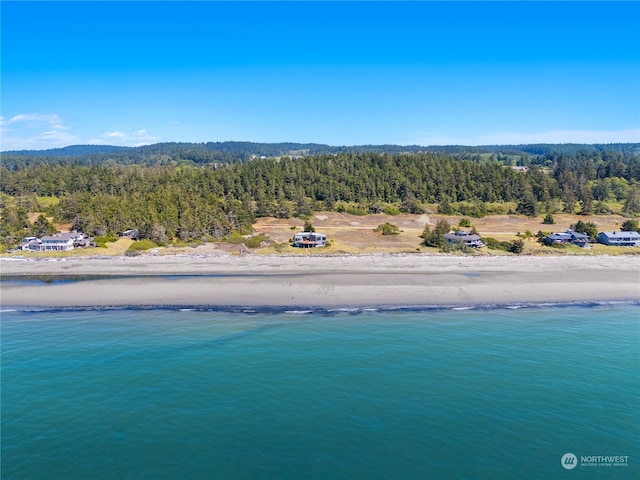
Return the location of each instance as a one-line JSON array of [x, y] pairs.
[[341, 73]]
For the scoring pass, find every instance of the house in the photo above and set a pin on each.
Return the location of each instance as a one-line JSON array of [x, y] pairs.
[[82, 240], [568, 237], [59, 242], [623, 239], [31, 244], [309, 240], [133, 234], [464, 238]]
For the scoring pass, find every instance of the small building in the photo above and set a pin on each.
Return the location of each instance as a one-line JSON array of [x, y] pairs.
[[309, 240], [570, 237], [464, 238], [60, 242], [133, 234], [621, 239], [30, 244]]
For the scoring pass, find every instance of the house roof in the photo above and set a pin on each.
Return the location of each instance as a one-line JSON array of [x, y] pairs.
[[52, 238], [65, 236], [621, 235], [568, 236], [308, 234], [461, 237]]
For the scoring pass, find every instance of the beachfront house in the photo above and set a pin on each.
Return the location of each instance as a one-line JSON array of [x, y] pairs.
[[132, 233], [464, 238], [60, 242], [309, 240], [569, 237], [621, 239], [30, 244]]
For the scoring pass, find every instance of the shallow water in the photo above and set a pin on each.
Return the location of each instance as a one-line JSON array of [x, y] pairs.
[[433, 393]]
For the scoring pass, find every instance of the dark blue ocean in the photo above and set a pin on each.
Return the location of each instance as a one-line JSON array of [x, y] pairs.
[[402, 394]]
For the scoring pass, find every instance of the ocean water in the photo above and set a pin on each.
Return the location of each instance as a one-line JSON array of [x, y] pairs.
[[401, 394]]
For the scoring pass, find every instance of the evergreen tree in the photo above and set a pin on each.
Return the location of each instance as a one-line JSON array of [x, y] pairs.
[[41, 227]]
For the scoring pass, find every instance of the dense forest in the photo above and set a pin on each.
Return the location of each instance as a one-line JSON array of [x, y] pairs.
[[217, 153], [193, 200]]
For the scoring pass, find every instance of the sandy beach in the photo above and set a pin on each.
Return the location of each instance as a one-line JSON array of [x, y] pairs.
[[340, 281]]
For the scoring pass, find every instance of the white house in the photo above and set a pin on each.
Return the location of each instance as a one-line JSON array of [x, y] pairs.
[[624, 239], [309, 240], [464, 238], [31, 244], [60, 242]]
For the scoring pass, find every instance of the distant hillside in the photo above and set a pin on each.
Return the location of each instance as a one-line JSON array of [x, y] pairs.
[[70, 151], [236, 151]]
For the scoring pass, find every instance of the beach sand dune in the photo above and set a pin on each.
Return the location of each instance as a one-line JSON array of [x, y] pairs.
[[340, 281]]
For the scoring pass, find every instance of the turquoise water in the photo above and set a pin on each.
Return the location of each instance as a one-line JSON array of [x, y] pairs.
[[168, 394]]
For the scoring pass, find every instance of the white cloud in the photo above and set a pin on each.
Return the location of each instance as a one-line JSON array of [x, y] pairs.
[[135, 138], [35, 131], [41, 131]]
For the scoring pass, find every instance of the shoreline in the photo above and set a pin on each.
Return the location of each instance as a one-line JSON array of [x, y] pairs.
[[323, 282]]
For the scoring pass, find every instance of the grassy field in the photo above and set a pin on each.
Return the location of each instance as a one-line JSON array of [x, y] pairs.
[[354, 234]]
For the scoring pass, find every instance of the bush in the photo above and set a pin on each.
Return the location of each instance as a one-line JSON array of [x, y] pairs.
[[140, 246], [388, 229], [444, 207], [435, 237], [548, 219], [391, 210], [253, 241], [475, 210], [493, 244], [356, 210], [587, 228], [464, 222], [516, 246], [102, 240], [498, 208], [630, 226], [235, 237]]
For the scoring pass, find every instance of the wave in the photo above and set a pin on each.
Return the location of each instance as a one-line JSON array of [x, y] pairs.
[[326, 311]]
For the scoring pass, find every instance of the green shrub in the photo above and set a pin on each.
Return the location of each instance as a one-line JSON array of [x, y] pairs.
[[516, 246], [475, 210], [102, 240], [445, 208], [356, 210], [630, 226], [388, 229], [498, 208], [255, 241], [140, 246], [391, 210], [588, 228], [493, 244], [548, 219], [235, 237], [464, 222]]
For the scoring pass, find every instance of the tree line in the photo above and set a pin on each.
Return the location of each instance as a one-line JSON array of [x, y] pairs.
[[192, 202], [217, 153]]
